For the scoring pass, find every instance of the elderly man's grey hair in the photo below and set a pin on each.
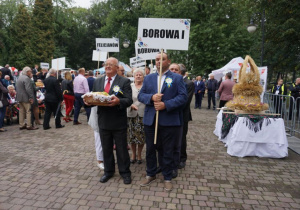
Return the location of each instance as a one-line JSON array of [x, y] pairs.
[[51, 71], [25, 70], [138, 70]]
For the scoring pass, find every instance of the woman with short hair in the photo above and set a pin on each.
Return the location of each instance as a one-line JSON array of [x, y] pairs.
[[135, 114]]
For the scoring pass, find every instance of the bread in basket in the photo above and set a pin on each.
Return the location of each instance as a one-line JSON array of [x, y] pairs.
[[97, 98]]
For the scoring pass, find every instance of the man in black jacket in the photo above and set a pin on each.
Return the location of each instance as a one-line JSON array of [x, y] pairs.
[[113, 120], [6, 71], [53, 98], [295, 92], [212, 87], [187, 115]]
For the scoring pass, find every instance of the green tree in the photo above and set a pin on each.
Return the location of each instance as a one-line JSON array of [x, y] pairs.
[[282, 44], [43, 30], [21, 51]]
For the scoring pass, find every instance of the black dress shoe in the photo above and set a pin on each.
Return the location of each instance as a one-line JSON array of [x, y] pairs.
[[195, 107], [208, 107], [47, 128], [158, 170], [199, 107], [105, 178], [127, 180], [181, 165], [174, 174], [60, 126]]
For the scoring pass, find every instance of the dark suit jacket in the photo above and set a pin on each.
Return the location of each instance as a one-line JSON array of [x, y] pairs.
[[175, 98], [53, 91], [187, 116], [200, 86], [91, 81], [114, 118], [6, 71]]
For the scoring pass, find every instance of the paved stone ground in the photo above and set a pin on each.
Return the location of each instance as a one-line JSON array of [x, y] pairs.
[[56, 169]]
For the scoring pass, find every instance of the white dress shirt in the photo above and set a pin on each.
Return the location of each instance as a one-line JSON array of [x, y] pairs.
[[111, 81], [163, 77]]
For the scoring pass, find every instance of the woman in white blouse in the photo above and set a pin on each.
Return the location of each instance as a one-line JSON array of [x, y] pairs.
[[135, 114]]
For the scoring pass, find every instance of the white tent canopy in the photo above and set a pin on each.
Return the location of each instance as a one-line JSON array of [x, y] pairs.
[[234, 64], [234, 67]]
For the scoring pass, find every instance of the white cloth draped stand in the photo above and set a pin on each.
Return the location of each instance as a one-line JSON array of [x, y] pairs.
[[241, 141]]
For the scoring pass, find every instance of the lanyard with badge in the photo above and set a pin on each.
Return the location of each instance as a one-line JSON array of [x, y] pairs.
[[277, 91]]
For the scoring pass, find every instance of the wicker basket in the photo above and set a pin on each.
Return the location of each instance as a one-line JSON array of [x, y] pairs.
[[96, 100], [247, 92]]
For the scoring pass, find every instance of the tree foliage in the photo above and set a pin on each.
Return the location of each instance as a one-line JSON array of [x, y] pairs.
[[218, 30], [21, 51], [43, 30]]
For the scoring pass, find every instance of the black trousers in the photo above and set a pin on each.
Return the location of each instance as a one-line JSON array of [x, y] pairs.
[[183, 154], [277, 104], [177, 149], [166, 139], [198, 100], [222, 103], [211, 97], [52, 108], [108, 137], [292, 106]]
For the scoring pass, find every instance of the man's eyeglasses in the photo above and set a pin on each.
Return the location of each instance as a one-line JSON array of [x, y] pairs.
[[109, 65]]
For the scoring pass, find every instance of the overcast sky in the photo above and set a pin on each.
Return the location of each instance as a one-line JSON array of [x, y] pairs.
[[82, 3]]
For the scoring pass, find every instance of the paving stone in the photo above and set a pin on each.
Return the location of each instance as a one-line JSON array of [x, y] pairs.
[[59, 171]]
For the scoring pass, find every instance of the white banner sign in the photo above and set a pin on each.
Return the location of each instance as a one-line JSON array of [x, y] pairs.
[[99, 56], [107, 44], [146, 53], [58, 63], [137, 62], [171, 34], [44, 65]]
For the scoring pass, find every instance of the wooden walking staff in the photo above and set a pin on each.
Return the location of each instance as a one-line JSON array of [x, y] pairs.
[[99, 52], [57, 68], [158, 91]]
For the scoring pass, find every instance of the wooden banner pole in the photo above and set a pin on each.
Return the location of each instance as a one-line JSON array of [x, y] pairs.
[[57, 68], [98, 58], [158, 91]]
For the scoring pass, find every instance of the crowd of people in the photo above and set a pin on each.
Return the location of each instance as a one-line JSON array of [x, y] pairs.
[[131, 115]]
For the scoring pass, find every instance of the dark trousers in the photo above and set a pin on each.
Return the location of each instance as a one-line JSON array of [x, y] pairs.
[[167, 137], [78, 104], [183, 154], [277, 104], [292, 106], [52, 108], [177, 149], [198, 99], [211, 97], [222, 103], [119, 137]]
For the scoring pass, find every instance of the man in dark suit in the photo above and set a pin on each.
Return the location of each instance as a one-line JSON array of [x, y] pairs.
[[6, 71], [91, 80], [199, 88], [112, 120], [169, 102], [212, 87], [53, 98], [187, 115], [35, 70]]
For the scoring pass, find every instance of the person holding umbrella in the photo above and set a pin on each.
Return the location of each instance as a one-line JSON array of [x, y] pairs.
[[53, 98]]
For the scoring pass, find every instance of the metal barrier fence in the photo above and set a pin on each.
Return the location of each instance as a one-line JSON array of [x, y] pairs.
[[297, 117], [287, 107]]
